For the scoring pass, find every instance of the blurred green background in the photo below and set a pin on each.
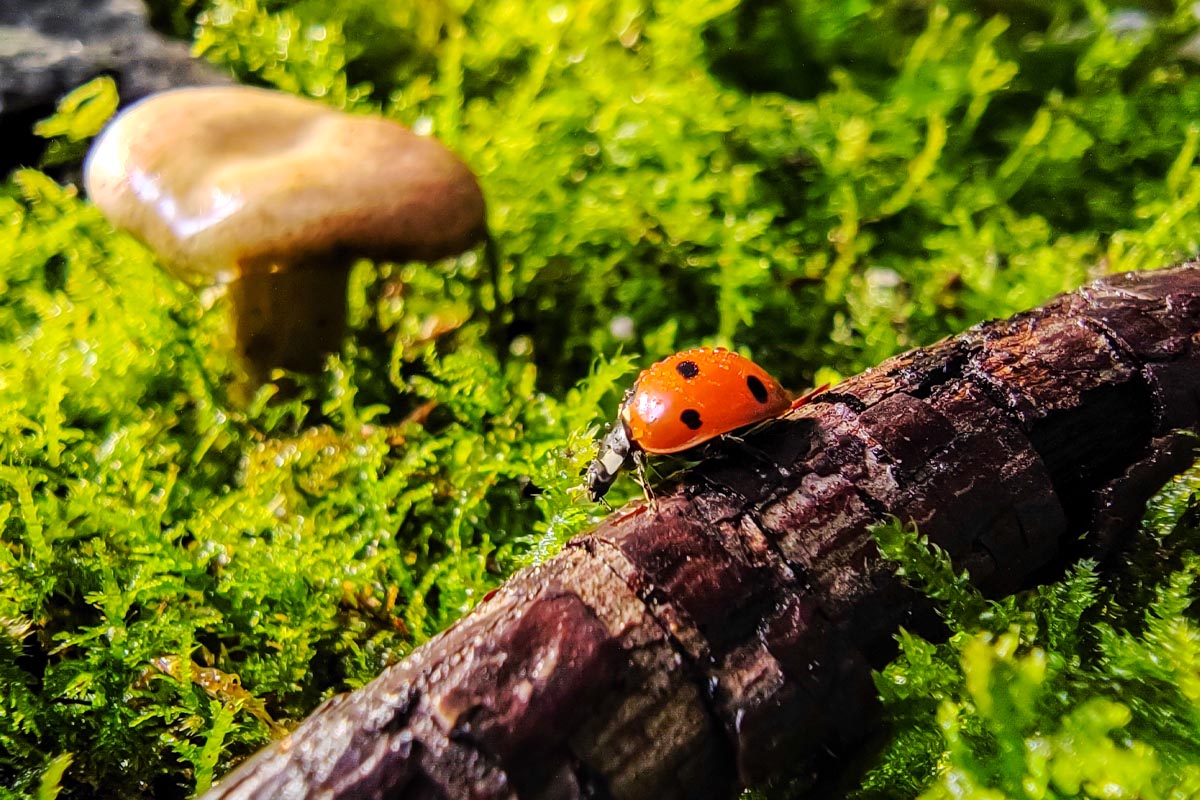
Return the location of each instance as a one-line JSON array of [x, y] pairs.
[[819, 185]]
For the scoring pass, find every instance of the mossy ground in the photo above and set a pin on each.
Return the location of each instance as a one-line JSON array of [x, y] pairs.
[[817, 184]]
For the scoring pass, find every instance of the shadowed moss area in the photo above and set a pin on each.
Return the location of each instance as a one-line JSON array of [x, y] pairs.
[[820, 185]]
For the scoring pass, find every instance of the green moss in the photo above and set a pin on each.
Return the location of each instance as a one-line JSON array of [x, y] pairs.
[[820, 185], [1069, 690]]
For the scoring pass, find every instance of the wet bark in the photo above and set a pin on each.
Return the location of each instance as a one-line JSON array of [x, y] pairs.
[[728, 638]]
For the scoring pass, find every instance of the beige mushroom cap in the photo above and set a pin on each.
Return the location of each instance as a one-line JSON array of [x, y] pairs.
[[221, 181]]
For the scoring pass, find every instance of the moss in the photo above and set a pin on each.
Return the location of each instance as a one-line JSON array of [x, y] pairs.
[[1074, 689], [819, 185]]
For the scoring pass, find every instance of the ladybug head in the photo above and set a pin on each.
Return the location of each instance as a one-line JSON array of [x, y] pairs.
[[613, 455]]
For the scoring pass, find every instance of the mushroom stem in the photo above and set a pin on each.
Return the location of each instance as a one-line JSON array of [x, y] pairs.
[[289, 318]]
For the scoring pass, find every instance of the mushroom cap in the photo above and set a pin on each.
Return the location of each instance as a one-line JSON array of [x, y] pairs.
[[224, 180]]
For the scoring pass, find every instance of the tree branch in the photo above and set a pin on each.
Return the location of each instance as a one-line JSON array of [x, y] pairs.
[[729, 636]]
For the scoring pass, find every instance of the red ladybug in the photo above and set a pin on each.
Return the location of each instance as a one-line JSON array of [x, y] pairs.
[[683, 401]]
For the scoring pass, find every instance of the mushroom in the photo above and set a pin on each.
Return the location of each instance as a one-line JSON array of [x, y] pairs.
[[274, 197]]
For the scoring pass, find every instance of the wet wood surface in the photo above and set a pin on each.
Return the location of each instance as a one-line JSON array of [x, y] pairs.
[[727, 638]]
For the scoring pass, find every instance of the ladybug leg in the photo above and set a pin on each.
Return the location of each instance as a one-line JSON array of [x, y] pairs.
[[639, 465], [722, 446], [807, 397], [749, 449]]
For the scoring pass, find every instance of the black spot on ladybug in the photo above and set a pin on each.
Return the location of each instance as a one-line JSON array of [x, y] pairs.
[[691, 418], [757, 389], [688, 369]]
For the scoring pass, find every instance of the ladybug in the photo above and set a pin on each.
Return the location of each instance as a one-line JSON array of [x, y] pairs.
[[683, 401]]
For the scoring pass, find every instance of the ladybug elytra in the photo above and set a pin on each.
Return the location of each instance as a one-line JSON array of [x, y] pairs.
[[683, 401]]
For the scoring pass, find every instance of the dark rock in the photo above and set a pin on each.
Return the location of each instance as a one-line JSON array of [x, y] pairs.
[[48, 47]]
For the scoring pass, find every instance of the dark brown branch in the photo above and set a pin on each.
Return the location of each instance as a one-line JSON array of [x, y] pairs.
[[731, 635]]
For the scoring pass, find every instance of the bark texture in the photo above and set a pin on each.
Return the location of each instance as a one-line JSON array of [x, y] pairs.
[[729, 638]]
